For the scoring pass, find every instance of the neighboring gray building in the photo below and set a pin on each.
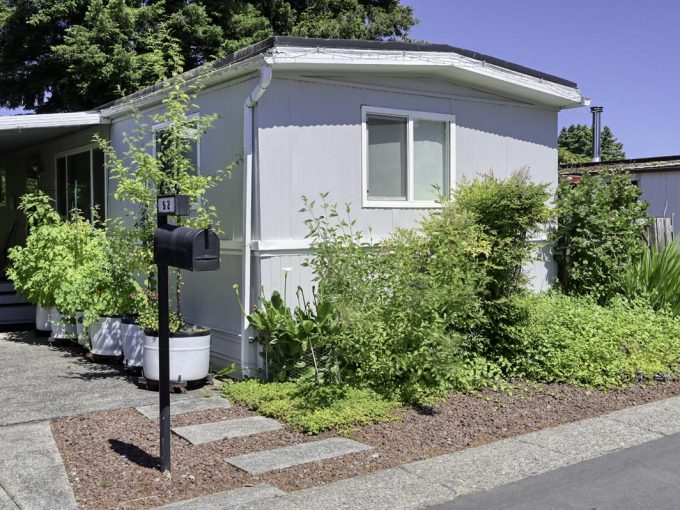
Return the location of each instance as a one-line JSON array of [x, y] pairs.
[[658, 179], [376, 124]]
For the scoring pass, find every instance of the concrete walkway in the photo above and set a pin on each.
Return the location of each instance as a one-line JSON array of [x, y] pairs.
[[39, 383]]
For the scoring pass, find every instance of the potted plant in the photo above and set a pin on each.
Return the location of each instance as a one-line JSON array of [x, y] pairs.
[[28, 263], [140, 178], [76, 273], [189, 345], [114, 289], [132, 334]]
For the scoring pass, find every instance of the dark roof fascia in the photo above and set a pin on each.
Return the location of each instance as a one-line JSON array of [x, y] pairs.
[[636, 165], [305, 42]]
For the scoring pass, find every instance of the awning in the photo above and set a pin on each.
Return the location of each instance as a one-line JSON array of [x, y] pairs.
[[18, 132]]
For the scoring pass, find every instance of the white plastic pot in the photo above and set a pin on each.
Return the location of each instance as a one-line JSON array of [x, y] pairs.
[[63, 328], [189, 356], [42, 319], [133, 343], [106, 337]]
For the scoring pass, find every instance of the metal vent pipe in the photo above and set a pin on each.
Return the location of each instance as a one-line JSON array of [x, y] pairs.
[[597, 113]]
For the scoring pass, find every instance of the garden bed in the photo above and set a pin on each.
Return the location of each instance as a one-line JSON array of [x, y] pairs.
[[111, 457]]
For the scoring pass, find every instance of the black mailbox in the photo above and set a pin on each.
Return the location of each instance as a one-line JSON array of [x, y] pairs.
[[187, 248]]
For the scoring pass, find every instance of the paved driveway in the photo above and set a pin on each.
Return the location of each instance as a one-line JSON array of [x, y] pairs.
[[39, 382]]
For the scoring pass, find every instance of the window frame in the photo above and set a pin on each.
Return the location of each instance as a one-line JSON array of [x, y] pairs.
[[410, 116], [89, 148]]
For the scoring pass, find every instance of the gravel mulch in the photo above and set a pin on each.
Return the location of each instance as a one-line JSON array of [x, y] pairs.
[[111, 457]]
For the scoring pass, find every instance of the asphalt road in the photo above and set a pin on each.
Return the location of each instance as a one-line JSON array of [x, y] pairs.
[[643, 477]]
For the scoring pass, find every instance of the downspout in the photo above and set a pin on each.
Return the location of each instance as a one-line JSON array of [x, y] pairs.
[[248, 142]]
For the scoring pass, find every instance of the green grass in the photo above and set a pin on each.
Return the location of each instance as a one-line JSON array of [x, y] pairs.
[[312, 409]]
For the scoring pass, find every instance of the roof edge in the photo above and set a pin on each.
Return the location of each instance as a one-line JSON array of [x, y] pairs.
[[51, 120]]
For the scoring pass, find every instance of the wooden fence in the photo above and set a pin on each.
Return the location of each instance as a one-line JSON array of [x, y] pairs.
[[660, 232]]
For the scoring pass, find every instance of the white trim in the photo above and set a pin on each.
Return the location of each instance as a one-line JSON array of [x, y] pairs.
[[450, 64], [50, 120], [410, 116]]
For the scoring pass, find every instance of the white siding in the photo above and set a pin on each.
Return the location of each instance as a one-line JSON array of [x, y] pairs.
[[310, 142], [662, 191]]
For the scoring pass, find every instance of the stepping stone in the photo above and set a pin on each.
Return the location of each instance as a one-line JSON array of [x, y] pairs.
[[218, 430], [280, 458], [227, 499], [188, 405]]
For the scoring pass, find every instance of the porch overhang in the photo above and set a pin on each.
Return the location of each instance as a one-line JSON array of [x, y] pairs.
[[18, 132]]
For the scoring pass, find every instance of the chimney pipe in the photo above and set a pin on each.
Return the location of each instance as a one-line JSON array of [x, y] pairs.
[[597, 112]]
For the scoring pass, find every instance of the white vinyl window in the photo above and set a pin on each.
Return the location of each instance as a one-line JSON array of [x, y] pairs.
[[407, 157]]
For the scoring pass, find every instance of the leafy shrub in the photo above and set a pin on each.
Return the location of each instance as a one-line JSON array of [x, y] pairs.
[[656, 277], [312, 408], [573, 339], [401, 303], [600, 230], [294, 342], [509, 212]]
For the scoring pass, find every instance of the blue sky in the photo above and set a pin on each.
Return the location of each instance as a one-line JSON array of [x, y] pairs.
[[624, 54]]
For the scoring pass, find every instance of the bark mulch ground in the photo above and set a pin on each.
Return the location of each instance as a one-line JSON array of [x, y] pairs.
[[111, 457]]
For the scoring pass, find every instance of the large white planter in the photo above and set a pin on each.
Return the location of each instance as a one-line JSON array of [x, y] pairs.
[[189, 357], [133, 343], [106, 337], [62, 329], [42, 319]]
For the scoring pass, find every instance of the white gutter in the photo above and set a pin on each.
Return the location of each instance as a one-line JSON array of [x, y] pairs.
[[248, 140]]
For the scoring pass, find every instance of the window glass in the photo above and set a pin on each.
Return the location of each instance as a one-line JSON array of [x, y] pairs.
[[78, 193], [430, 159], [387, 157], [61, 186], [191, 153], [99, 183]]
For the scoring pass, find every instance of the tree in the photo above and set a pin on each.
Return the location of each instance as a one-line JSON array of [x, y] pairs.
[[64, 55], [575, 145]]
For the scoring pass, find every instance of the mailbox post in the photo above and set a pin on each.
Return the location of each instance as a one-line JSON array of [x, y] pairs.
[[185, 248]]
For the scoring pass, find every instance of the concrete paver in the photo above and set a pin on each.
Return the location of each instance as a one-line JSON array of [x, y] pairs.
[[662, 417], [31, 470], [218, 430], [279, 458], [392, 489], [590, 438], [6, 502], [185, 406], [228, 499], [487, 466]]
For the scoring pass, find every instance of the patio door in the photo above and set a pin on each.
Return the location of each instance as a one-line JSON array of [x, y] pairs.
[[81, 183]]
